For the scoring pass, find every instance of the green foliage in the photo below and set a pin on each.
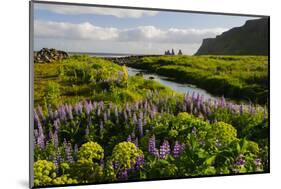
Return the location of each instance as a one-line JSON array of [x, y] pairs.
[[221, 141], [91, 151], [64, 180], [160, 168], [52, 93], [223, 133], [125, 153], [44, 172], [240, 77]]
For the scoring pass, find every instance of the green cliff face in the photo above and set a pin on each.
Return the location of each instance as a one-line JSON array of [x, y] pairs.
[[249, 39]]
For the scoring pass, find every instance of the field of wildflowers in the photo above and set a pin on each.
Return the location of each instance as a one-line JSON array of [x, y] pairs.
[[95, 124]]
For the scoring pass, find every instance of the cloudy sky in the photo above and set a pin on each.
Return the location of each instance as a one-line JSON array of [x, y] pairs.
[[112, 30]]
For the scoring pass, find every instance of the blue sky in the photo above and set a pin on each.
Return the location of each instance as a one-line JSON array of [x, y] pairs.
[[95, 29]]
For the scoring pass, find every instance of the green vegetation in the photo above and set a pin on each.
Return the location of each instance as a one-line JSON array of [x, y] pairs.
[[82, 77], [94, 123], [238, 77]]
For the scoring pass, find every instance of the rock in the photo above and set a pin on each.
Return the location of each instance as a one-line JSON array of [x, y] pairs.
[[151, 77], [139, 74], [249, 39], [46, 55]]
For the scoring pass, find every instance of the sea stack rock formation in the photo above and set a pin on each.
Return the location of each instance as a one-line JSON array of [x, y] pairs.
[[249, 39]]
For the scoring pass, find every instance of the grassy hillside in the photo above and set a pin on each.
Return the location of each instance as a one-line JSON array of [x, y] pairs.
[[239, 77], [83, 77]]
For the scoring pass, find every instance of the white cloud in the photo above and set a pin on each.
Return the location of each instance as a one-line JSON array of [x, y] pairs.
[[76, 10], [83, 31], [151, 34]]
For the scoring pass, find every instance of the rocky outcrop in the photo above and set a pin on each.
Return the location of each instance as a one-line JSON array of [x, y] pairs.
[[46, 55], [249, 39]]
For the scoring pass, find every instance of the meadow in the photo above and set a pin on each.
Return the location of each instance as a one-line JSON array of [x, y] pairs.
[[237, 77], [93, 123]]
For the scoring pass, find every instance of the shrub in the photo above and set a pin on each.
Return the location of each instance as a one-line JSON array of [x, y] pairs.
[[52, 93]]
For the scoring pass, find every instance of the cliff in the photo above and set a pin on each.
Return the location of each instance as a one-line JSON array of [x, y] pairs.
[[249, 39]]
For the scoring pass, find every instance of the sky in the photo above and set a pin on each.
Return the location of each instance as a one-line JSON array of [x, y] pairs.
[[115, 30]]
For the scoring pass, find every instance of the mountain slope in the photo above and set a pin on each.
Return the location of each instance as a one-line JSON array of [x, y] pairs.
[[249, 39]]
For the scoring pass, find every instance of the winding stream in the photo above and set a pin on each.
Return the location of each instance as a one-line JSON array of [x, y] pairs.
[[178, 87]]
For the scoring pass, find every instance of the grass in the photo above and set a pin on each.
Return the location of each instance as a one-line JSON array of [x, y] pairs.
[[237, 77], [82, 77]]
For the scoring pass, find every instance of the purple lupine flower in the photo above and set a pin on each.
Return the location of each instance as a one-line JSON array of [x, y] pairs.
[[56, 124], [56, 163], [145, 104], [257, 162], [56, 139], [56, 114], [41, 137], [62, 113], [215, 104], [139, 162], [101, 126], [35, 134], [51, 135], [184, 107], [115, 165], [140, 127], [95, 105], [195, 111], [50, 112], [135, 120], [198, 97], [144, 121], [37, 120], [101, 163], [240, 160], [123, 175], [208, 111], [156, 153], [88, 107], [59, 157], [137, 105], [193, 96], [87, 130], [133, 134], [176, 150], [40, 112], [151, 144], [136, 142], [129, 139], [116, 112], [193, 130], [182, 148], [68, 152], [76, 109], [252, 111], [69, 111], [105, 117], [223, 104], [98, 111], [164, 149], [125, 116]]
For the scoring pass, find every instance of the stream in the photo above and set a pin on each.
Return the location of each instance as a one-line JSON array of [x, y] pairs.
[[178, 87]]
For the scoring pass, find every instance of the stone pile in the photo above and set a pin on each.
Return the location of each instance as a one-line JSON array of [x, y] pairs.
[[46, 55]]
